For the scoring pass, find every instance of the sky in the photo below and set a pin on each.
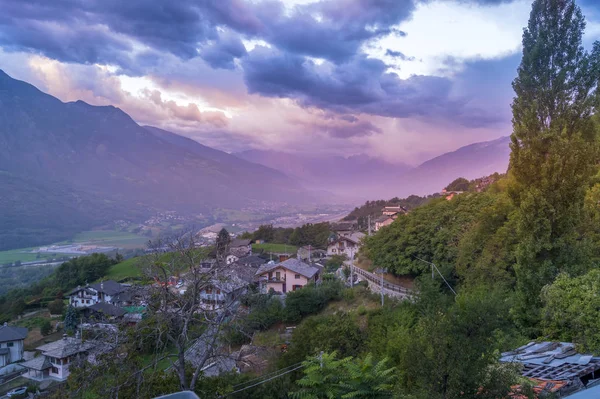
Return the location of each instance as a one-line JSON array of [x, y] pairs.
[[401, 80]]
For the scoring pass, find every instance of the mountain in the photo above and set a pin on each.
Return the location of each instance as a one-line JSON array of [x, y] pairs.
[[340, 175], [471, 161], [65, 167], [363, 178]]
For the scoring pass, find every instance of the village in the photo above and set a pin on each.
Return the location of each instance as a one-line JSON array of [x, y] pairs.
[[100, 311]]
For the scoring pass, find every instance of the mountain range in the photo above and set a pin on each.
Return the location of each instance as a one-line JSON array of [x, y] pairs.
[[363, 178], [67, 167]]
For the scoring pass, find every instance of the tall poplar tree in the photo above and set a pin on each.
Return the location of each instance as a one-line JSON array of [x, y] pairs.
[[554, 148]]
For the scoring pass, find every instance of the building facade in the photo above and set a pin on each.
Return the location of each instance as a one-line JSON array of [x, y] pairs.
[[11, 344]]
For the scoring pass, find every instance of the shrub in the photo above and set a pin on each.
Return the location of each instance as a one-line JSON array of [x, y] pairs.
[[57, 306], [46, 327], [310, 299]]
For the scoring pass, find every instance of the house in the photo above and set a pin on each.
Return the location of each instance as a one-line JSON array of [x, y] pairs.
[[383, 221], [288, 275], [240, 247], [220, 292], [555, 368], [56, 357], [104, 291], [343, 228], [308, 253], [11, 344], [393, 210], [345, 245], [251, 261], [450, 194]]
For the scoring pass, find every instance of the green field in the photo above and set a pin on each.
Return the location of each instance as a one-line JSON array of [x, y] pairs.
[[124, 270], [107, 238], [275, 248], [21, 254], [111, 238]]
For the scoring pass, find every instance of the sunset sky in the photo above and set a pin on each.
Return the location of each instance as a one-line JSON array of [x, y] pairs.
[[403, 80]]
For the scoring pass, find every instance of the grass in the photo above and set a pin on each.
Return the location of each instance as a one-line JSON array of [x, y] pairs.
[[123, 270], [270, 337], [24, 255], [107, 238], [276, 248], [111, 238]]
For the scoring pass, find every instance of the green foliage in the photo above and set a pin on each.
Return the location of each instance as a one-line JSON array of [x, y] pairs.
[[325, 376], [373, 208], [82, 270], [71, 320], [432, 232], [315, 235], [570, 310], [554, 148], [460, 184], [46, 327], [265, 232], [339, 333], [310, 300], [57, 306], [335, 262]]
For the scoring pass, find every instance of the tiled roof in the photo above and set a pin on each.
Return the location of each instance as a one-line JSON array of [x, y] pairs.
[[65, 347], [10, 333], [238, 242], [37, 363], [293, 265], [108, 287], [557, 362]]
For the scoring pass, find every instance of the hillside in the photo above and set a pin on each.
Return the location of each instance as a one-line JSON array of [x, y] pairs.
[[66, 167]]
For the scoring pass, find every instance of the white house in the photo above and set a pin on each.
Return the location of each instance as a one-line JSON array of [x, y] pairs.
[[11, 344], [346, 245], [220, 292], [231, 259], [56, 357], [240, 247], [91, 294], [286, 276]]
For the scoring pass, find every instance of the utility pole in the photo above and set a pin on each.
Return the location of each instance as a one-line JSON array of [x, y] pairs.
[[380, 270]]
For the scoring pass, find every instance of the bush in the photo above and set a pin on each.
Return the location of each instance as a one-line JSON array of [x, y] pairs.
[[310, 299], [46, 327], [57, 306]]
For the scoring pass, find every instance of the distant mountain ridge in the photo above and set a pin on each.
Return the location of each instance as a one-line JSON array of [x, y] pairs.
[[338, 174], [363, 178], [65, 167]]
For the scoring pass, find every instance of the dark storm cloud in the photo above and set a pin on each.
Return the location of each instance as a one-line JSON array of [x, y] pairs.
[[360, 85], [330, 29], [223, 52]]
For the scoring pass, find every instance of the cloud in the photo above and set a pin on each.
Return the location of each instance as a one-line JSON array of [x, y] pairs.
[[223, 51], [398, 54], [361, 85]]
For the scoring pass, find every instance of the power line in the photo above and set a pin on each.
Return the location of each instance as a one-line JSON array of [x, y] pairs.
[[262, 382], [438, 270], [262, 377]]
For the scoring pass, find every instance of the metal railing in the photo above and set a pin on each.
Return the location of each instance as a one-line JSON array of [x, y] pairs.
[[375, 279]]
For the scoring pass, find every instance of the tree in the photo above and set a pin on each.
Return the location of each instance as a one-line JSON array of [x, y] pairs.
[[18, 307], [57, 306], [45, 327], [325, 376], [265, 232], [460, 184], [222, 245], [570, 310], [554, 148], [71, 320]]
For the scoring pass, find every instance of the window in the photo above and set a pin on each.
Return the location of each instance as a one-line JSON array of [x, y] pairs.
[[278, 275], [333, 250], [10, 344], [54, 370], [297, 276], [218, 292], [209, 290], [87, 301]]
